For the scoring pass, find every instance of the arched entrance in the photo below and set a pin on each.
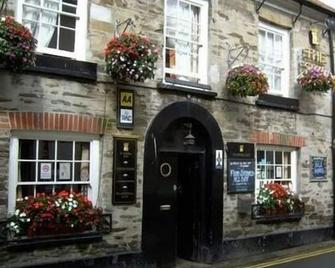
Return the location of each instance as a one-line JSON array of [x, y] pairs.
[[183, 186]]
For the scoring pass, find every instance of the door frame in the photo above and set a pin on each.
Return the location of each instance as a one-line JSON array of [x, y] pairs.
[[154, 136]]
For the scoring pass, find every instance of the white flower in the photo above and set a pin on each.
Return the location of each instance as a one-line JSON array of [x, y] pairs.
[[12, 224], [23, 214], [28, 219], [71, 195], [17, 212], [72, 225], [26, 198]]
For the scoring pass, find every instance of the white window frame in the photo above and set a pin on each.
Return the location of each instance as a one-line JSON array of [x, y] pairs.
[[294, 162], [80, 32], [285, 74], [202, 58], [13, 174]]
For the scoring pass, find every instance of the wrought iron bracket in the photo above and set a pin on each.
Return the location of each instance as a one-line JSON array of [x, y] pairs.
[[126, 23], [300, 12], [234, 53]]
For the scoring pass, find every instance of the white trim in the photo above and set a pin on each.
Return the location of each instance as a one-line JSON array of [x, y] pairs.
[[80, 31], [203, 39], [285, 74], [12, 174], [94, 162]]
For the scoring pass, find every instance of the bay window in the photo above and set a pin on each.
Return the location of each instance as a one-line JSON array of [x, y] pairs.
[[58, 25], [185, 45], [52, 165]]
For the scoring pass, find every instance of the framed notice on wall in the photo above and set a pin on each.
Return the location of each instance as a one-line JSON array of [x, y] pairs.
[[318, 168], [125, 109]]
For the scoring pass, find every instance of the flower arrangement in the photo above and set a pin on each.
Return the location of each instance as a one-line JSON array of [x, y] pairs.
[[275, 197], [131, 57], [246, 80], [59, 213], [17, 45], [316, 79]]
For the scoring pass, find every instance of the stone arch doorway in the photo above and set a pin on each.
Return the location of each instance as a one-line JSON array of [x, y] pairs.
[[183, 186]]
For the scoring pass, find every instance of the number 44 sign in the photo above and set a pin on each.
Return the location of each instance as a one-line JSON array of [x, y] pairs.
[[125, 108]]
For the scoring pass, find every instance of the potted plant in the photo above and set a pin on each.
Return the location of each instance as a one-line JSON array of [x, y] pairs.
[[60, 213], [274, 200], [17, 45], [131, 57], [246, 80], [316, 79]]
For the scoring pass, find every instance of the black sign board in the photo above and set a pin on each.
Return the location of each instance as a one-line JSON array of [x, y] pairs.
[[318, 168], [124, 172], [241, 150], [241, 175]]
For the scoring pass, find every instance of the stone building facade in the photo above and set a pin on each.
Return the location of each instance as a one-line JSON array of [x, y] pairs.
[[74, 100]]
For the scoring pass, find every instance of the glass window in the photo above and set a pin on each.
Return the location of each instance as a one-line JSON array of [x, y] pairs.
[[274, 57], [59, 165], [56, 24], [276, 164], [186, 40]]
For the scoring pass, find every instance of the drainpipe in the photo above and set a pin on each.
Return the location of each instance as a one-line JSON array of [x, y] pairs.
[[331, 55]]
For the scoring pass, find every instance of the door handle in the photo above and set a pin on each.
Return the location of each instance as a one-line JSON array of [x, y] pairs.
[[165, 207]]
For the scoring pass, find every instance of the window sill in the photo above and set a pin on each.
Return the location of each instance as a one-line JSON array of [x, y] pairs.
[[261, 215], [278, 102], [50, 64], [188, 88]]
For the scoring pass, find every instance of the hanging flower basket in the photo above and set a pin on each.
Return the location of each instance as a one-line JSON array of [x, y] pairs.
[[246, 80], [17, 45], [131, 57], [61, 213], [316, 79]]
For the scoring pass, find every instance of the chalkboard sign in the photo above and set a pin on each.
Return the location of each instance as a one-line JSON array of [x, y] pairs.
[[318, 168], [241, 175]]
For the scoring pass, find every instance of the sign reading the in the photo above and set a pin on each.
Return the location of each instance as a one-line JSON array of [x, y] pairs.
[[318, 168], [125, 110], [241, 175]]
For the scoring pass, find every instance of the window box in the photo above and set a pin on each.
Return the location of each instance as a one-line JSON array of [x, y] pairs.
[[278, 102], [266, 215], [52, 240]]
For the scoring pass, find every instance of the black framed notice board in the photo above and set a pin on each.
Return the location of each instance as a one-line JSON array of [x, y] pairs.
[[124, 171], [241, 167]]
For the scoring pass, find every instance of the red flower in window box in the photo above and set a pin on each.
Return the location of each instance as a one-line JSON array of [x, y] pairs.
[[17, 45], [131, 57], [54, 214]]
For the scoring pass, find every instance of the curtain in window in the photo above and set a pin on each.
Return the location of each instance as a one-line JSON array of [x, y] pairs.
[[49, 20]]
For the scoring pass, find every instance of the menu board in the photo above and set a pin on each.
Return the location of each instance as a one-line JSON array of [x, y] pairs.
[[318, 168], [241, 175]]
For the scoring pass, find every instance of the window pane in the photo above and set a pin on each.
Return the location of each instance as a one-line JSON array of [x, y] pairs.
[[82, 151], [287, 158], [269, 172], [47, 189], [261, 175], [260, 157], [69, 9], [72, 2], [66, 39], [279, 171], [277, 83], [65, 150], [279, 157], [170, 58], [51, 4], [27, 149], [34, 2], [287, 174], [32, 26], [27, 171], [46, 171], [64, 171], [48, 36], [46, 150], [67, 21], [25, 190], [31, 13], [83, 189], [269, 157], [82, 172], [59, 188]]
